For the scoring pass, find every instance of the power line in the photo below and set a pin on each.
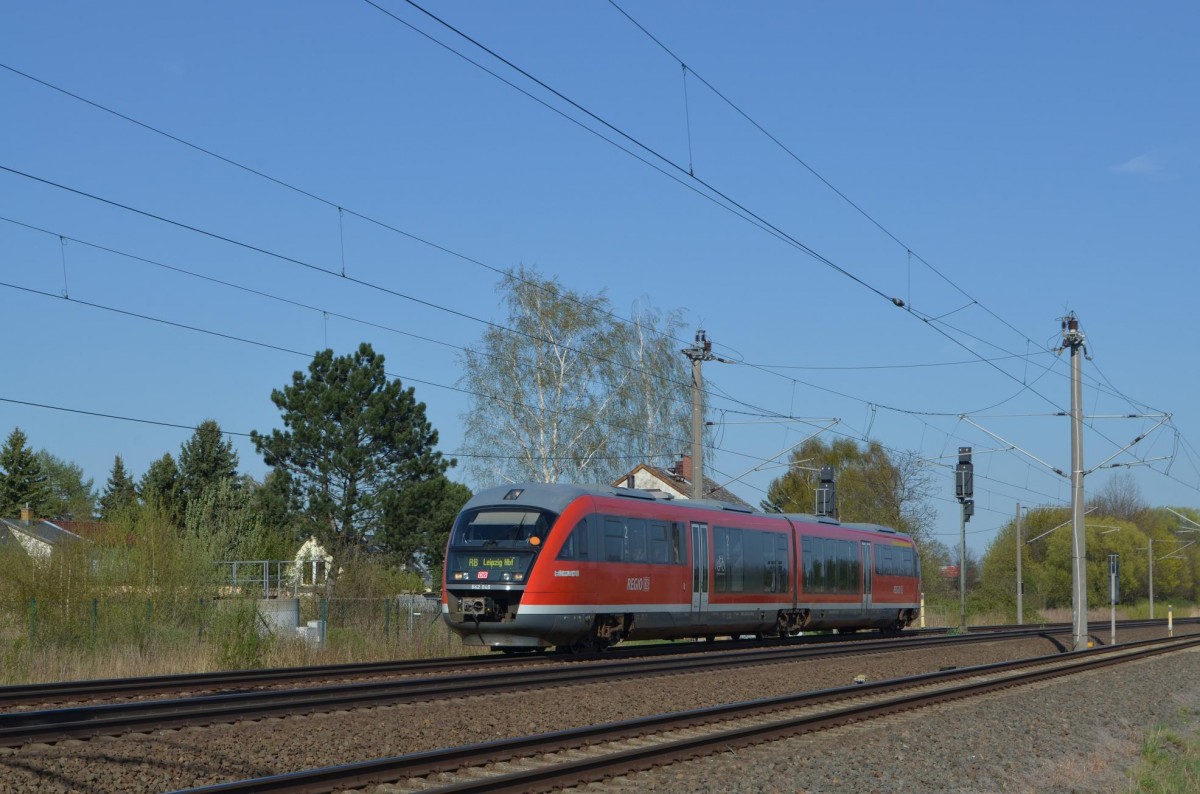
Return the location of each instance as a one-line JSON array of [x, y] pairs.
[[409, 235], [181, 426], [907, 248], [404, 378], [931, 321], [315, 197], [326, 272]]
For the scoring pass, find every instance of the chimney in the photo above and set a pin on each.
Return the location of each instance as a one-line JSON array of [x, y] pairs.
[[684, 467], [26, 514]]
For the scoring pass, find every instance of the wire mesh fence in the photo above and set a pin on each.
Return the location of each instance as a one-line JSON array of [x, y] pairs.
[[399, 621]]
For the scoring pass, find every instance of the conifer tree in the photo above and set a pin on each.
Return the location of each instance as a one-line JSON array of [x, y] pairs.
[[353, 440], [23, 481], [160, 487], [120, 493], [206, 460], [71, 495]]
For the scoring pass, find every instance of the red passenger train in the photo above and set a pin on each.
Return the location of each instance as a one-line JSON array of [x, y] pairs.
[[583, 567]]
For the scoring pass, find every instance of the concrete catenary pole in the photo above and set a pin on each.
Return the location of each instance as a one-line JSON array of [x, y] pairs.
[[699, 352], [1150, 556], [1020, 584], [1074, 339]]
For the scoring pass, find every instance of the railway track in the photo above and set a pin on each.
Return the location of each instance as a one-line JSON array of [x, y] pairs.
[[47, 694], [53, 725], [573, 757]]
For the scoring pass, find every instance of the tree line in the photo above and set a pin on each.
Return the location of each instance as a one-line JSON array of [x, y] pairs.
[[355, 466]]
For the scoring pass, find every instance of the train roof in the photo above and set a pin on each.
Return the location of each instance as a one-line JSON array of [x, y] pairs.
[[808, 518], [556, 496]]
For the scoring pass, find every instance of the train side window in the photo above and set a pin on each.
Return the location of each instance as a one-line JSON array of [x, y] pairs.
[[635, 539], [753, 561], [576, 545], [826, 581], [658, 542], [614, 538], [766, 566], [844, 585], [781, 564], [720, 561], [773, 562], [677, 543], [886, 562], [810, 559], [736, 560]]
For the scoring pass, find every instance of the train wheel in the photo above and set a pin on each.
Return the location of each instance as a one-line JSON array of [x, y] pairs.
[[586, 644]]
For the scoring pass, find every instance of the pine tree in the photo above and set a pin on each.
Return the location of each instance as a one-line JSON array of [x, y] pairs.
[[72, 496], [159, 487], [120, 493], [206, 460], [23, 481], [354, 439]]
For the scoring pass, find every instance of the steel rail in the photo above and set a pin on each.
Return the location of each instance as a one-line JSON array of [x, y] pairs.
[[51, 725], [875, 700], [51, 692]]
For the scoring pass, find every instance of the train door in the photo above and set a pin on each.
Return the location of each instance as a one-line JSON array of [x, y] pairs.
[[699, 567], [868, 569]]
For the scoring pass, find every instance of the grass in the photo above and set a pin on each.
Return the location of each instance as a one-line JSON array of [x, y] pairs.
[[136, 641], [1170, 759]]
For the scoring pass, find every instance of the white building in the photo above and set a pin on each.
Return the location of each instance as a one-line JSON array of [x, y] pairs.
[[36, 537]]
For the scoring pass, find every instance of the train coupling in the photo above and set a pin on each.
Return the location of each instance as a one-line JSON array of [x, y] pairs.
[[478, 608]]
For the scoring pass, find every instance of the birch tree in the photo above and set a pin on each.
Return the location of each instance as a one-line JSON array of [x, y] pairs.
[[564, 390]]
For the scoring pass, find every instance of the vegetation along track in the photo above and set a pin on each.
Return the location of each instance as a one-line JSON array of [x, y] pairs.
[[51, 725], [573, 757]]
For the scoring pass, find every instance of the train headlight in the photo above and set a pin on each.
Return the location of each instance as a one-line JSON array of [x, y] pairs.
[[459, 576], [518, 577], [535, 541]]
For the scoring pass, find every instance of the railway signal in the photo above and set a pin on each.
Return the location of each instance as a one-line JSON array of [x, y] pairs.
[[964, 475], [964, 491], [827, 494]]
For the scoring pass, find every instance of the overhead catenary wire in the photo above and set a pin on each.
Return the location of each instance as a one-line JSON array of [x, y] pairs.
[[282, 349], [317, 268], [333, 204], [242, 434], [932, 322]]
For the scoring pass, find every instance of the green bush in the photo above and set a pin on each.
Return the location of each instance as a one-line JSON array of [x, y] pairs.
[[235, 632]]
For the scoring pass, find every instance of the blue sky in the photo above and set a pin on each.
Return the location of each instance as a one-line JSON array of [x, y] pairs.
[[1034, 158]]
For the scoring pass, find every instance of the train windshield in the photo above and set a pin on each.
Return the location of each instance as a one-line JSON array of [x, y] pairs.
[[490, 546], [488, 528]]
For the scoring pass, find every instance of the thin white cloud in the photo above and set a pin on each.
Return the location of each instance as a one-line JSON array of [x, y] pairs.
[[1148, 164]]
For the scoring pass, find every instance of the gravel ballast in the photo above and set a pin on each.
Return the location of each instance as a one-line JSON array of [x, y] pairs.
[[1075, 735]]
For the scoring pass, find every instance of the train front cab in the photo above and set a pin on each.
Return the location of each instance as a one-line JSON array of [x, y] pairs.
[[491, 553]]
